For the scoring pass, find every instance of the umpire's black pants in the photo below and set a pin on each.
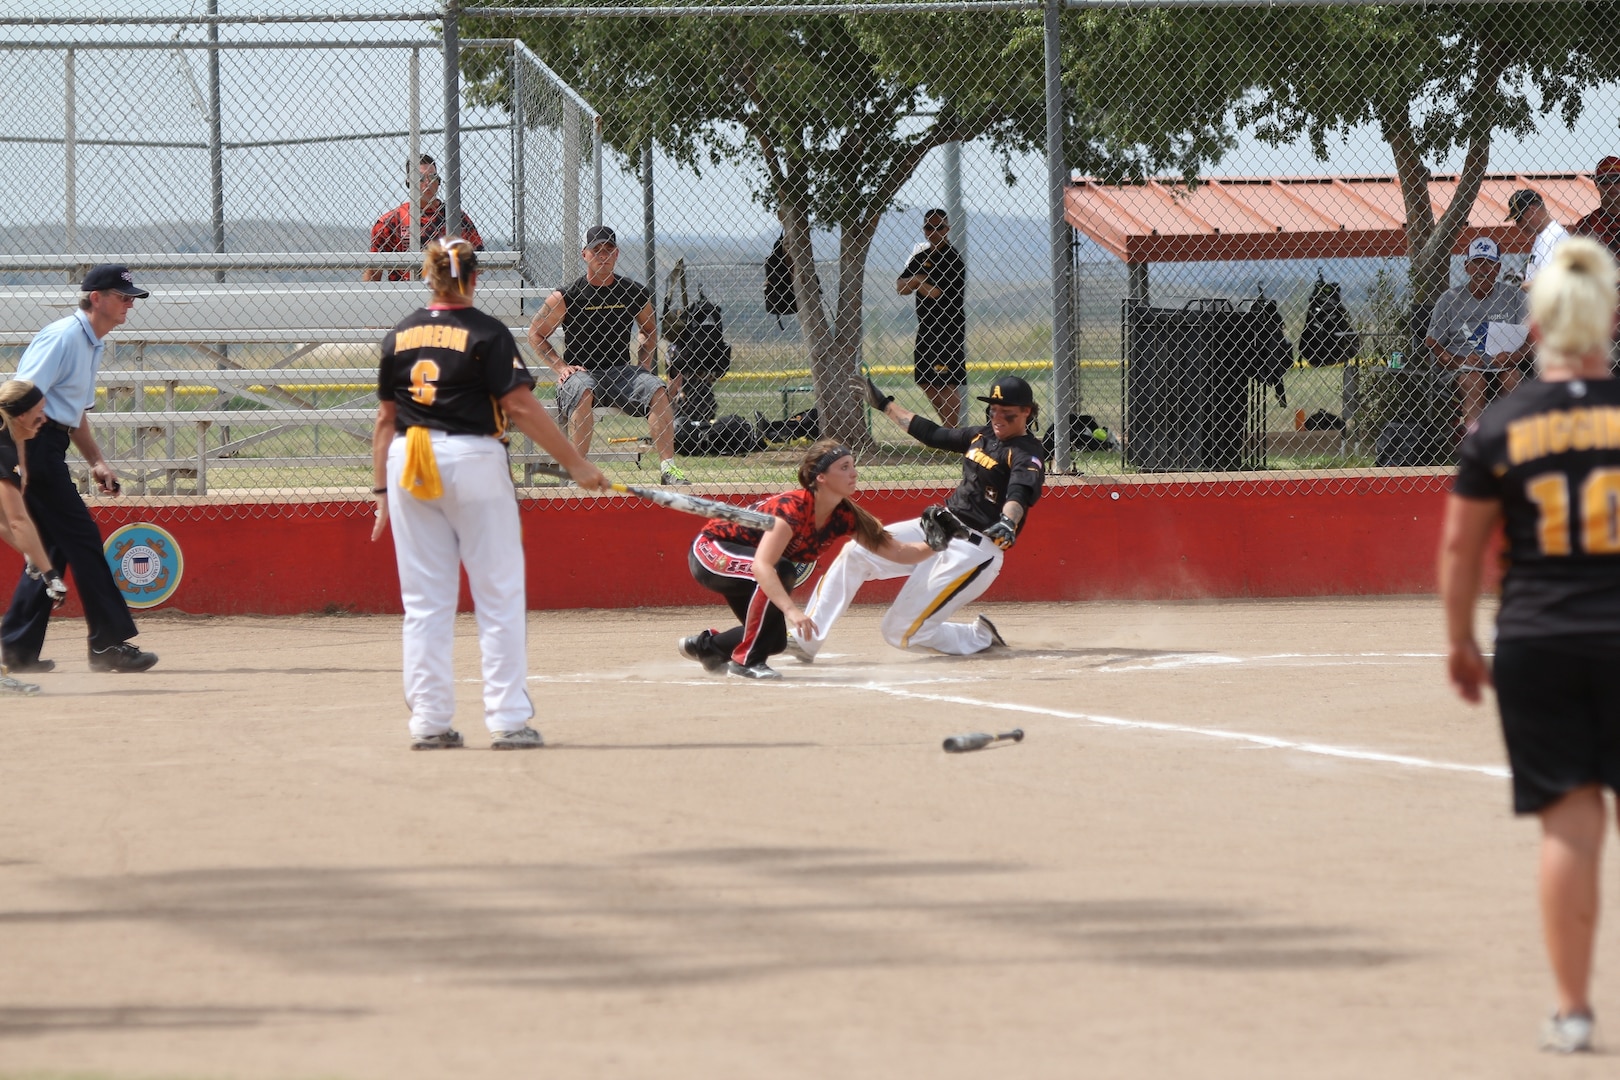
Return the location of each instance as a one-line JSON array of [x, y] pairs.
[[73, 542]]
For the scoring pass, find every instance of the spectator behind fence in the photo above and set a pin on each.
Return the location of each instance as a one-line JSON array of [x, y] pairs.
[[62, 361], [1603, 224], [1522, 475], [1460, 330], [598, 313], [392, 232], [938, 276], [1527, 210]]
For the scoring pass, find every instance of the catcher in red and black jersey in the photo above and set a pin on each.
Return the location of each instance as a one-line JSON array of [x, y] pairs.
[[1544, 462], [1002, 476], [757, 571]]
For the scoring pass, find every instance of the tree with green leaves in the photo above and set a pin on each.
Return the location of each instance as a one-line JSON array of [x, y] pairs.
[[831, 115], [1435, 81]]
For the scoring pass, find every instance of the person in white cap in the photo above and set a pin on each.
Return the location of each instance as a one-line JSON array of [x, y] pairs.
[[1459, 330]]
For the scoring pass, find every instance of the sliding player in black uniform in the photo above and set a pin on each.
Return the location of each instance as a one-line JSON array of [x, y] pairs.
[[757, 571], [1002, 476], [1545, 462]]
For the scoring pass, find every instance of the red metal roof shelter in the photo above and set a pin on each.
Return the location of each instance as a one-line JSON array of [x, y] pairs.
[[1239, 218]]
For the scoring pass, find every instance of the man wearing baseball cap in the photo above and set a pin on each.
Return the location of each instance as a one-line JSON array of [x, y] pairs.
[[599, 313], [62, 362], [1528, 211], [1603, 224], [1460, 327]]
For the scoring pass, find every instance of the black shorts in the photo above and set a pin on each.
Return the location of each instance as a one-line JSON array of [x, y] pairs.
[[942, 370], [1560, 704]]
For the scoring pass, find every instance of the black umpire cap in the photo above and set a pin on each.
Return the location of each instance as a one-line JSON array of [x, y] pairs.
[[1009, 390], [114, 277], [600, 234]]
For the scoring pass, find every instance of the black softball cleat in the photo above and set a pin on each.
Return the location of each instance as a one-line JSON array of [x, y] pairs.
[[752, 671], [693, 648]]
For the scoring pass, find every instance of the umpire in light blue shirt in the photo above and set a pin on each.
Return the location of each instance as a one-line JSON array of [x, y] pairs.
[[62, 361]]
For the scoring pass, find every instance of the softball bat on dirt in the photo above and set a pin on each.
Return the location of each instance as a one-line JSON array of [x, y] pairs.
[[961, 744], [686, 504]]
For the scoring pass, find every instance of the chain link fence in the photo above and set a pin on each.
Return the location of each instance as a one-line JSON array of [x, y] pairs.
[[1265, 206]]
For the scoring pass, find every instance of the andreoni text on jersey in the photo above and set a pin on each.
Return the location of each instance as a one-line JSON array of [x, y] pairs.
[[1550, 453], [446, 368]]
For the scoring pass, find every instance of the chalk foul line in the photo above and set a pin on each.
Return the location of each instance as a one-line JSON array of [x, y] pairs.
[[1272, 742]]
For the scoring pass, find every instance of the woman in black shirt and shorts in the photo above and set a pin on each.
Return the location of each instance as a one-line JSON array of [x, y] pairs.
[[1544, 463]]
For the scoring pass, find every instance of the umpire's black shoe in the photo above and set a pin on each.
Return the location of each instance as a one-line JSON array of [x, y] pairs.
[[16, 665], [122, 657]]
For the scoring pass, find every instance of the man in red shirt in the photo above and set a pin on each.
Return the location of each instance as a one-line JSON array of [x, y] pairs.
[[392, 232], [1603, 224]]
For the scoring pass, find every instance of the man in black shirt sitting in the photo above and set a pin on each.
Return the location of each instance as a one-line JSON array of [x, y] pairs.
[[598, 314]]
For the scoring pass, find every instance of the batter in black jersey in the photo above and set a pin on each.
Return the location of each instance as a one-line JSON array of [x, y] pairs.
[[1543, 464], [1002, 476], [449, 381], [445, 368], [756, 571]]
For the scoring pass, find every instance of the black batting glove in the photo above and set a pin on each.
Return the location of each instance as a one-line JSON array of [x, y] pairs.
[[874, 397], [1004, 533]]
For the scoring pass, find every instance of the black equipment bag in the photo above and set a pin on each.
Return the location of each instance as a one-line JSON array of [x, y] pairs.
[[779, 296], [1086, 436], [1328, 337], [696, 333], [725, 436], [1271, 353]]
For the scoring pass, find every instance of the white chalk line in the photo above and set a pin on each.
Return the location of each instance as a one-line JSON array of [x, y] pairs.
[[1270, 742]]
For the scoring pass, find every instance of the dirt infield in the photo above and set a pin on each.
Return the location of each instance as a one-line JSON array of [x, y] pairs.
[[1240, 840]]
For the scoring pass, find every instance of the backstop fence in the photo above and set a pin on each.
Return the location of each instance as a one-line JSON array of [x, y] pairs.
[[1213, 237]]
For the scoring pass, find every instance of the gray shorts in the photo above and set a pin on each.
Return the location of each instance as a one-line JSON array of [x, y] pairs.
[[627, 388]]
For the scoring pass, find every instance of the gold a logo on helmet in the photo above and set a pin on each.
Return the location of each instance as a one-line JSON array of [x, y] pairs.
[[995, 392]]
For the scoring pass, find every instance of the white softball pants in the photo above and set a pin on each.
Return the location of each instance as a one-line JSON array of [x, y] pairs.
[[473, 524], [935, 588]]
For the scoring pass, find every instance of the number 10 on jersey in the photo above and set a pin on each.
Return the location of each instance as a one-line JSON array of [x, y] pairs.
[[1598, 507]]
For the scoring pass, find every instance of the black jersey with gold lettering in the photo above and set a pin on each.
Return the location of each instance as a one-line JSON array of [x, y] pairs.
[[1550, 454], [993, 472], [445, 369]]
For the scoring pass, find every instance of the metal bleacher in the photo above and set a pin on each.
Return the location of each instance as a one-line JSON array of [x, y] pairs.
[[161, 425]]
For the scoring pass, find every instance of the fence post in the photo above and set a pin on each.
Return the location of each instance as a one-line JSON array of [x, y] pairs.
[[953, 197], [452, 117], [1057, 175], [571, 149], [649, 218], [596, 167], [70, 149], [520, 232], [216, 139], [413, 183]]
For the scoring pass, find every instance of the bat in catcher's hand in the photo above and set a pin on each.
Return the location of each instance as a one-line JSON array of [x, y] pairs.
[[686, 504]]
